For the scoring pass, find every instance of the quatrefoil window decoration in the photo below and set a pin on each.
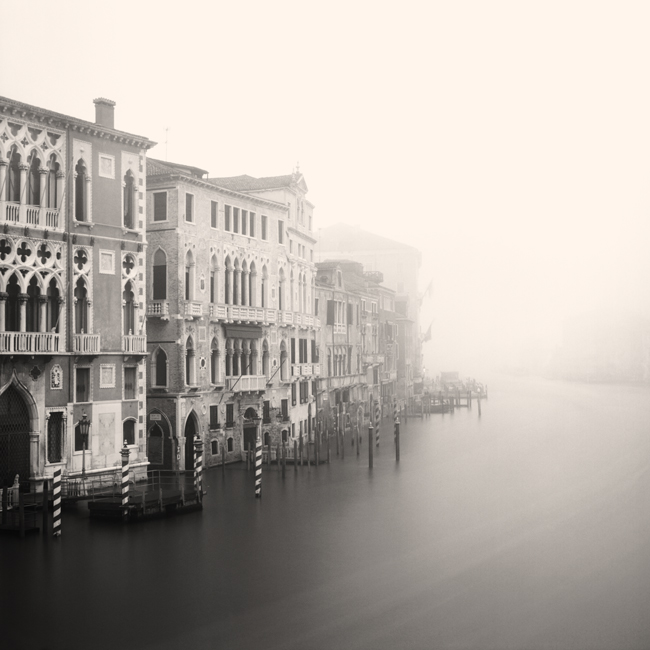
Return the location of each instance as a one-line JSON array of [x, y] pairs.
[[44, 254], [5, 249], [128, 264], [81, 259], [24, 252]]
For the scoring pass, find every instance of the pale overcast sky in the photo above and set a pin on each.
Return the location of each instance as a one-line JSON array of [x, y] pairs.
[[508, 141]]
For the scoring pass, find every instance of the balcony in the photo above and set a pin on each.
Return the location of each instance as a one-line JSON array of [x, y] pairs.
[[30, 342], [193, 309], [344, 381], [86, 343], [29, 215], [246, 383], [316, 369], [158, 309], [305, 369], [134, 344], [286, 318], [244, 313], [373, 359], [217, 312]]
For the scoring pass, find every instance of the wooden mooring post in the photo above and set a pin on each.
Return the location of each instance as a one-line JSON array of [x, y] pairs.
[[370, 446], [479, 407], [397, 441], [284, 459], [223, 460], [46, 506], [295, 455]]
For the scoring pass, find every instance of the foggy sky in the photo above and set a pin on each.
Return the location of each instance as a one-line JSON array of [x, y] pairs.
[[509, 141]]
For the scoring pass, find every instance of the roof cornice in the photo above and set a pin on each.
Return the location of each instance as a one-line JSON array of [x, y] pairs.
[[12, 108], [199, 182], [302, 234]]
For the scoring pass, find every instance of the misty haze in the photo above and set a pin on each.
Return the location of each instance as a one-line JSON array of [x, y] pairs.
[[325, 325]]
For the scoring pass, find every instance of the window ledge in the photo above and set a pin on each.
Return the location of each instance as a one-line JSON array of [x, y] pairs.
[[87, 224]]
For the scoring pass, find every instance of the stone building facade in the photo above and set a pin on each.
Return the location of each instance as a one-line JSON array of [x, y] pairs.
[[72, 279], [230, 324]]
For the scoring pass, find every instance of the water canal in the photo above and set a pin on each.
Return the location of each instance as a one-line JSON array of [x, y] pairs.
[[528, 527]]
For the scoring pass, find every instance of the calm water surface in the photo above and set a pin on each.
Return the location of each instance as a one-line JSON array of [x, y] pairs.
[[528, 527]]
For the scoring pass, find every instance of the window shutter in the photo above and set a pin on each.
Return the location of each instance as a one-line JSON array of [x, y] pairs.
[[331, 306]]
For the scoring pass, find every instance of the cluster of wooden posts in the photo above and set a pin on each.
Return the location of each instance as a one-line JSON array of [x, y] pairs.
[[448, 400]]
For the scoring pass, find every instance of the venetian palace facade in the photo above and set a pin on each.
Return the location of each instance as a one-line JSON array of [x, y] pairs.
[[231, 331], [72, 281]]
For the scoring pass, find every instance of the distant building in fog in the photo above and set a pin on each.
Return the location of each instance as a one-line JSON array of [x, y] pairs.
[[400, 265]]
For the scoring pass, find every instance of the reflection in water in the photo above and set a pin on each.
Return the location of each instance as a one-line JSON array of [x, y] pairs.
[[525, 528]]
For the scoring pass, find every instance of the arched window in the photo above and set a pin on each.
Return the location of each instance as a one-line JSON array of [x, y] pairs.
[[214, 279], [189, 276], [253, 359], [263, 288], [252, 285], [34, 181], [285, 435], [329, 363], [290, 302], [281, 289], [214, 362], [236, 284], [265, 359], [128, 432], [304, 307], [236, 359], [52, 188], [267, 439], [228, 282], [244, 283], [33, 309], [80, 192], [81, 307], [159, 275], [159, 372], [129, 200], [12, 307], [189, 362], [229, 356], [13, 176], [128, 302], [284, 364], [53, 306], [230, 444]]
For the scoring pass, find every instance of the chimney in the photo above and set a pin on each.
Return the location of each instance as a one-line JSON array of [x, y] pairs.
[[104, 112]]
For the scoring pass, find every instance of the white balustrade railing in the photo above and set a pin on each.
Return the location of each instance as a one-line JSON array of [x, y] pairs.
[[158, 308], [134, 343], [86, 343], [193, 308], [218, 311], [31, 342], [246, 382], [30, 215]]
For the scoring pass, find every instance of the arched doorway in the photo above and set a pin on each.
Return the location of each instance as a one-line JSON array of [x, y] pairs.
[[251, 422], [14, 437], [159, 443], [191, 427]]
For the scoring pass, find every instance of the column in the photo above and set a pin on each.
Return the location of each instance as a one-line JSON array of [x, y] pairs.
[[43, 198], [59, 189], [237, 297], [23, 182], [42, 313], [3, 180], [22, 303], [244, 287], [3, 303], [229, 286]]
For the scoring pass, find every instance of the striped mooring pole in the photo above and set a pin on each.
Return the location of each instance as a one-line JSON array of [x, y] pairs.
[[377, 421], [394, 409], [125, 453], [198, 467], [258, 468], [56, 503]]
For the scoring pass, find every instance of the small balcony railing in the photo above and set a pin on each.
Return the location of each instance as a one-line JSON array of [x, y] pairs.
[[134, 343], [30, 342], [242, 312], [193, 308], [245, 383], [286, 318], [217, 312], [29, 215], [158, 308], [270, 316], [86, 343]]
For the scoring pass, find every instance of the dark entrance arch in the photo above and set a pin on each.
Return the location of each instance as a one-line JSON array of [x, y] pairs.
[[250, 428], [159, 443], [14, 437], [190, 434]]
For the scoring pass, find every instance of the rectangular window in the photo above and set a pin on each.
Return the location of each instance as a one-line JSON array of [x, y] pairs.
[[55, 437], [230, 416], [130, 383], [315, 306], [189, 208], [265, 223], [235, 219], [293, 394], [214, 416], [285, 409], [226, 218], [266, 412], [160, 206], [82, 385], [293, 350], [280, 232], [251, 230], [244, 222], [213, 213]]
